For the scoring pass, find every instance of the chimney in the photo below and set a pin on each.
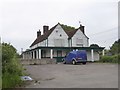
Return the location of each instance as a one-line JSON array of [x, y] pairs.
[[45, 28], [38, 33], [82, 28]]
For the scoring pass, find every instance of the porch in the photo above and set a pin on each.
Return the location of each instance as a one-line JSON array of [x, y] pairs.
[[59, 52]]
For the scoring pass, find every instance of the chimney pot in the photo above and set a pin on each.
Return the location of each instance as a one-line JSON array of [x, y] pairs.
[[38, 33], [82, 28], [45, 28]]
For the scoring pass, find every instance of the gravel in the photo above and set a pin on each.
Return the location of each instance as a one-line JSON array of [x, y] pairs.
[[91, 75]]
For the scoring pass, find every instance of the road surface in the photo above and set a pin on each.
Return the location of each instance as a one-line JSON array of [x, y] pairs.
[[91, 75]]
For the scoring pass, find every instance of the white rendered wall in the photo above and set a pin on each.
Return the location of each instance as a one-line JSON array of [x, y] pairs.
[[79, 35], [96, 56], [54, 53], [56, 35], [34, 46], [43, 43]]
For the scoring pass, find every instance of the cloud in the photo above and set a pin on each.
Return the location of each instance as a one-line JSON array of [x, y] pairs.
[[22, 18]]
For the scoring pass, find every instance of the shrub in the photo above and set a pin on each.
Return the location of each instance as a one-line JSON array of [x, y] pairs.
[[119, 59], [10, 80], [106, 59], [115, 59], [11, 68], [110, 59]]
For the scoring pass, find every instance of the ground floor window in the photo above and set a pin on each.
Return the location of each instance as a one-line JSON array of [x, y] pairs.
[[43, 53], [35, 54], [59, 53]]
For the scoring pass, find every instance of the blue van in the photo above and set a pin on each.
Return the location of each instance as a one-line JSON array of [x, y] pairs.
[[76, 57]]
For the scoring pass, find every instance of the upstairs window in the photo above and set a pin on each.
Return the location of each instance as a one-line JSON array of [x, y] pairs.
[[60, 35], [79, 42], [59, 42]]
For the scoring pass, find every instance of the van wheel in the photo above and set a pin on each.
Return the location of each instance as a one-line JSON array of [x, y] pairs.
[[84, 63], [73, 62], [64, 62]]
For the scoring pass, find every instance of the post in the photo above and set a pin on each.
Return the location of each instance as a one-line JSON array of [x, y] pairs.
[[36, 54], [92, 55], [103, 52], [30, 55], [39, 53], [33, 55], [23, 56], [51, 53], [27, 55]]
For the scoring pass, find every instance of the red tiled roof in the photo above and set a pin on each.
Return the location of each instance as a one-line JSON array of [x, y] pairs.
[[70, 33], [44, 36], [47, 33]]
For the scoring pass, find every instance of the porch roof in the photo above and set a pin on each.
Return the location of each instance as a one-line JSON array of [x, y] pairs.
[[68, 48]]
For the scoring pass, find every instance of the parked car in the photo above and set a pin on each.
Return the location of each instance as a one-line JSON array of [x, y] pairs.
[[75, 57]]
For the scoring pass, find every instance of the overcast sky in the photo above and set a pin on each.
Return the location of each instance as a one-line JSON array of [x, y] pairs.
[[21, 19]]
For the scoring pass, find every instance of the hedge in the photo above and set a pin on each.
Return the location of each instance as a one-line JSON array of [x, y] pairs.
[[110, 59]]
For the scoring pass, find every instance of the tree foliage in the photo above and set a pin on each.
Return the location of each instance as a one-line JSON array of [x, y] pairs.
[[8, 52], [110, 59], [11, 67], [115, 48], [66, 27], [94, 45]]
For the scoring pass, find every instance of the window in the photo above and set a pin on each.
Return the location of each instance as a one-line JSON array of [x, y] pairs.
[[79, 42], [59, 53], [59, 42], [80, 45], [43, 53], [60, 35]]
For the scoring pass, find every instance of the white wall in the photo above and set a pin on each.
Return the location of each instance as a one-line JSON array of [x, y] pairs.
[[47, 53], [79, 35], [96, 56], [63, 38], [43, 43], [34, 46], [56, 35]]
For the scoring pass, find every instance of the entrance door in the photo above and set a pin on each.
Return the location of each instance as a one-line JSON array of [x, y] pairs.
[[59, 55]]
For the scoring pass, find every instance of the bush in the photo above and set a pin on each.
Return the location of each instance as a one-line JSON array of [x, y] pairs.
[[8, 52], [119, 59], [10, 80], [115, 59], [0, 81], [11, 68], [106, 59], [110, 59]]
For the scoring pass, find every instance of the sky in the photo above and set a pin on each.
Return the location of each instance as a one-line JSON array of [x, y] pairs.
[[21, 19]]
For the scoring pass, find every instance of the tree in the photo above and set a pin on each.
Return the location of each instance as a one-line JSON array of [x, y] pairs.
[[94, 45], [115, 48], [66, 27], [8, 52], [11, 68]]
